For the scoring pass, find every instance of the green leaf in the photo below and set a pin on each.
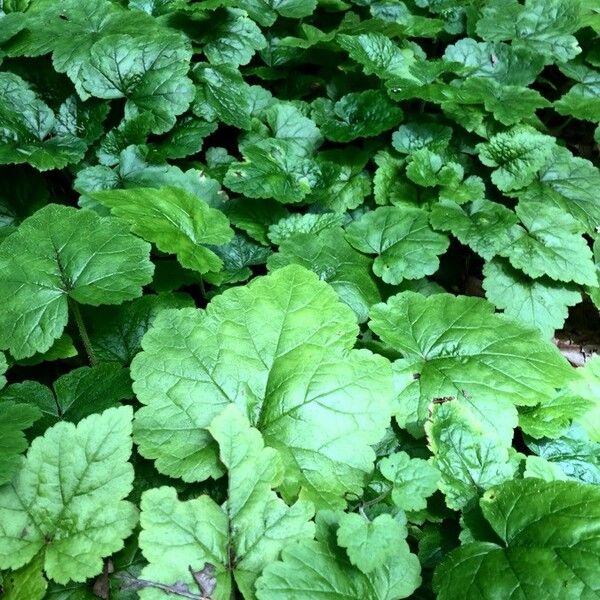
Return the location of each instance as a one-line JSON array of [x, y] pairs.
[[266, 12], [14, 419], [428, 169], [549, 536], [176, 221], [67, 499], [239, 538], [255, 216], [185, 139], [470, 455], [541, 26], [487, 227], [280, 349], [542, 303], [587, 386], [319, 568], [550, 244], [116, 333], [150, 72], [31, 131], [232, 38], [582, 101], [457, 345], [272, 169], [77, 394], [26, 583], [406, 246], [509, 104], [332, 258], [360, 114], [573, 453], [378, 55], [389, 183], [517, 156], [313, 223], [503, 63], [58, 255], [3, 368], [413, 480], [414, 136], [222, 94], [569, 183], [370, 544]]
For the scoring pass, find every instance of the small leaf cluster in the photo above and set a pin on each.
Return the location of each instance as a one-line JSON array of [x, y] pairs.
[[284, 286]]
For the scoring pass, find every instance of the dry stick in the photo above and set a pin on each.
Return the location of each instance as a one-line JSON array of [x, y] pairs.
[[83, 334]]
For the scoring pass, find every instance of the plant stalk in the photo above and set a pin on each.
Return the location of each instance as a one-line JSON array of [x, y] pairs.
[[83, 334]]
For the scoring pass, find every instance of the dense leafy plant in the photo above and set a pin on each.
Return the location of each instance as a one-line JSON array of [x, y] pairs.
[[288, 289]]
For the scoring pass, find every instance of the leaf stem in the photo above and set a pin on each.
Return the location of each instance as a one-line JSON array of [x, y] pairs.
[[83, 334]]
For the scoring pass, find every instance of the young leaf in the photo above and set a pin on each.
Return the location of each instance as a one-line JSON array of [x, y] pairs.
[[406, 246], [173, 219], [537, 522], [517, 154], [319, 567], [370, 544], [58, 255], [413, 480], [280, 348], [470, 455], [66, 501], [272, 169], [239, 538]]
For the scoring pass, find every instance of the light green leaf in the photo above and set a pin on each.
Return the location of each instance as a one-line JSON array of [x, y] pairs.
[[588, 387], [26, 583], [470, 455], [296, 223], [272, 169], [265, 12], [549, 536], [58, 255], [390, 185], [379, 55], [517, 154], [457, 346], [241, 537], [232, 38], [542, 303], [280, 349], [413, 479], [356, 115], [176, 221], [540, 468], [549, 243], [332, 258], [370, 544], [569, 183], [541, 26], [150, 72], [552, 417], [487, 227], [406, 246], [67, 499], [320, 568], [31, 132]]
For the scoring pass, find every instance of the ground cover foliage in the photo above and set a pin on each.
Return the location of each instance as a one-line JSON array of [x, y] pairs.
[[299, 299]]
